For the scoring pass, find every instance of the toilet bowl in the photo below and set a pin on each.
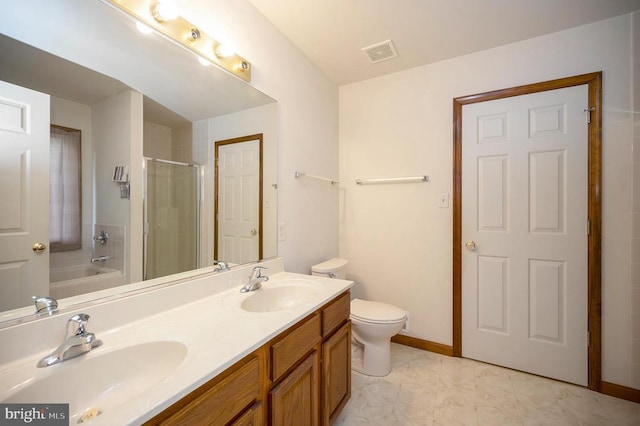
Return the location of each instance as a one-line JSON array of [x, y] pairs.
[[372, 325]]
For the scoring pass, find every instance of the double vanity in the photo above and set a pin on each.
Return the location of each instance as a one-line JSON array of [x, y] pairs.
[[195, 352]]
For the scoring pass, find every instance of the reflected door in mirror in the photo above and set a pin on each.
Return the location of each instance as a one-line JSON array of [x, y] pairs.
[[24, 210], [238, 233]]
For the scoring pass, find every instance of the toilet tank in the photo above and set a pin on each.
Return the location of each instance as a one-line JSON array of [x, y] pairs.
[[332, 268]]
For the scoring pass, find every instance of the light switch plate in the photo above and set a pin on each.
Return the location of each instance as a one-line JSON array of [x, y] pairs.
[[443, 200]]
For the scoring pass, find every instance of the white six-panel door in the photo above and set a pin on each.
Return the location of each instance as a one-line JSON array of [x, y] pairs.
[[238, 202], [24, 195], [524, 226]]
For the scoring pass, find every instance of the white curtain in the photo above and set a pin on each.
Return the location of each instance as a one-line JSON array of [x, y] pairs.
[[65, 215]]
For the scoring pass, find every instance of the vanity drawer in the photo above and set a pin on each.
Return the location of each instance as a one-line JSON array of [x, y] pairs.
[[291, 348], [221, 402], [336, 314]]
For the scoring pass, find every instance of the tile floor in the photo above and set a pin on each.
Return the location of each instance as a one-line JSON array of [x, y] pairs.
[[424, 388]]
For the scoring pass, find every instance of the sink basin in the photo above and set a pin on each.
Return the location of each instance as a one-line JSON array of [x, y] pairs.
[[279, 298], [97, 382]]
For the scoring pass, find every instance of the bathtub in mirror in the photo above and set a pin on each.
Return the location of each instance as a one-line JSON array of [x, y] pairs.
[[178, 110]]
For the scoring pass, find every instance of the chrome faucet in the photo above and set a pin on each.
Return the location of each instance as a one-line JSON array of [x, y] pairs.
[[45, 305], [255, 280], [102, 238], [77, 341], [220, 266], [99, 259]]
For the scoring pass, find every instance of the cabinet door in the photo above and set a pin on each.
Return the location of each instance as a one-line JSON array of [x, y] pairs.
[[294, 402], [336, 373], [251, 417]]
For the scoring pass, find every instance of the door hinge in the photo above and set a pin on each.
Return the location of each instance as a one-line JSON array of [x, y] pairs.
[[589, 111]]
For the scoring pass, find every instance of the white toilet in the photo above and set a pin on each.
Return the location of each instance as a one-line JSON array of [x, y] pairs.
[[372, 325]]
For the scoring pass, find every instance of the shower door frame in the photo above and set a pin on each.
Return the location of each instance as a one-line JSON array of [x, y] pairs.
[[199, 179]]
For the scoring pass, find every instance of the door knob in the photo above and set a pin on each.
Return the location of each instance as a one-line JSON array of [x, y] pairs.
[[254, 232], [39, 247], [471, 245]]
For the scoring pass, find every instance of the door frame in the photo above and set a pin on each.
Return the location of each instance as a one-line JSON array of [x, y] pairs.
[[217, 145], [594, 208]]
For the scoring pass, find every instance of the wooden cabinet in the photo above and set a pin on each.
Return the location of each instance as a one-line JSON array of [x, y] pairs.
[[336, 373], [295, 400], [291, 346], [300, 377], [220, 400], [252, 416], [335, 314]]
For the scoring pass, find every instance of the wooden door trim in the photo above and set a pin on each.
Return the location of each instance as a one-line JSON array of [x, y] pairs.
[[594, 243], [217, 145]]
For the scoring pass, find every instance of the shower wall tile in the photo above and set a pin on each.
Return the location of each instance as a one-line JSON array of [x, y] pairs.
[[114, 248], [182, 144], [157, 141]]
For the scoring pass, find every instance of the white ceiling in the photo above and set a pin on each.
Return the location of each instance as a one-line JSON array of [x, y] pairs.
[[333, 32]]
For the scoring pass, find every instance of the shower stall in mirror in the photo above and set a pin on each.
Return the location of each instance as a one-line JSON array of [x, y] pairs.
[[171, 217]]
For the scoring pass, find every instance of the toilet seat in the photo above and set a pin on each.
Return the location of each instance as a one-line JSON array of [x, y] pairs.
[[376, 312]]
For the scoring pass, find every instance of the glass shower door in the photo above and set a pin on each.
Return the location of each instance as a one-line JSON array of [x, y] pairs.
[[171, 217]]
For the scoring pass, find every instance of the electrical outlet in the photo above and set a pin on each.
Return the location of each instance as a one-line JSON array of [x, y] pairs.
[[405, 327]]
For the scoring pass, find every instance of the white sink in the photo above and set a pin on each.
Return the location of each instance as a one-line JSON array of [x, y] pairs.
[[100, 381], [269, 299]]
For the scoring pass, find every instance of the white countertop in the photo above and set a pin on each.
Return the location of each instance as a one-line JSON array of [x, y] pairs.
[[215, 330]]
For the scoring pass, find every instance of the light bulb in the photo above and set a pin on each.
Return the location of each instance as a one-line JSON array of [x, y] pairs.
[[224, 50], [204, 62], [165, 11]]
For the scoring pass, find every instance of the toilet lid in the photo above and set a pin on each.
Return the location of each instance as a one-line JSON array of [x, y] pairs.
[[379, 312], [331, 265]]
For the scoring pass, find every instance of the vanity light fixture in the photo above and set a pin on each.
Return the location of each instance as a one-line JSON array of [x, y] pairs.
[[164, 11], [224, 50], [193, 35], [163, 17]]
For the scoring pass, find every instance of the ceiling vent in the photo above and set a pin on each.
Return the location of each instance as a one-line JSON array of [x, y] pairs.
[[380, 52]]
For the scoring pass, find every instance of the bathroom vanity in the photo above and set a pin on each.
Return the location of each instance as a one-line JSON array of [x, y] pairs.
[[196, 352], [282, 382]]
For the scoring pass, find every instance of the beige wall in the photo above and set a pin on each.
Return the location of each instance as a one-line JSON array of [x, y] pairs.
[[398, 240], [307, 125], [117, 137], [244, 123]]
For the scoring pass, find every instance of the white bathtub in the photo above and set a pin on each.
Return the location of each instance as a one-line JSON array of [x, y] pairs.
[[75, 280]]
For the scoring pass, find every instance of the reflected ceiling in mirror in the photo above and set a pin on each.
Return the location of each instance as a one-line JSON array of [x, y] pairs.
[[111, 57]]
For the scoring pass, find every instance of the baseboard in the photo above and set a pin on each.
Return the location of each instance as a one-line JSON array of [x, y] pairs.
[[426, 345], [619, 391]]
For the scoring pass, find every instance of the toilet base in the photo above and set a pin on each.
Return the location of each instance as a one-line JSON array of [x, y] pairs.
[[371, 359]]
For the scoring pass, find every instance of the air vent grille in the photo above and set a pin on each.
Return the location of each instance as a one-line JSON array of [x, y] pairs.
[[380, 52]]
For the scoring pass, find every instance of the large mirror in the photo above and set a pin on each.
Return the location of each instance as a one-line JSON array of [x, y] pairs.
[[145, 156]]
